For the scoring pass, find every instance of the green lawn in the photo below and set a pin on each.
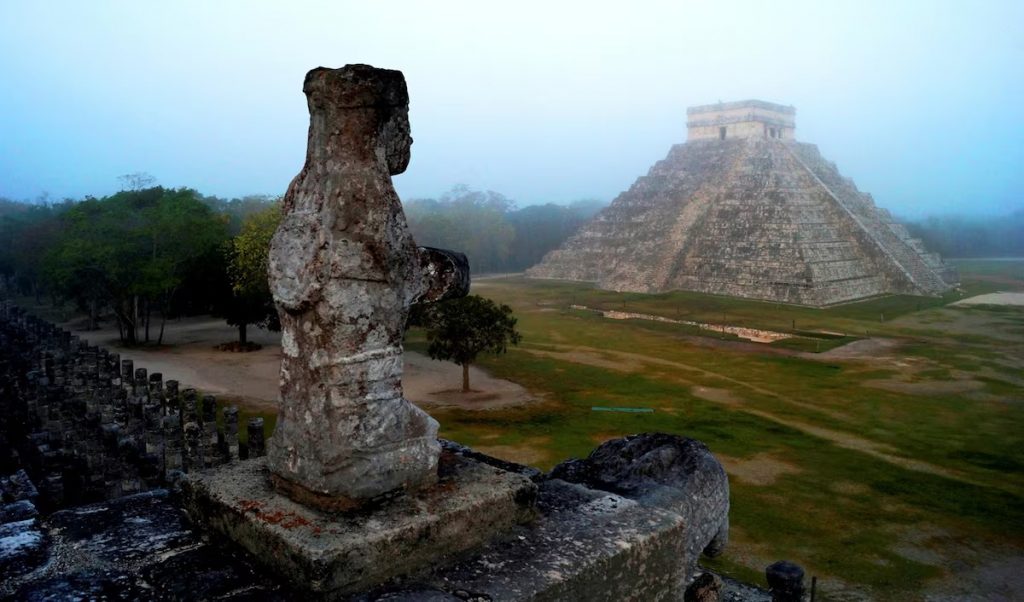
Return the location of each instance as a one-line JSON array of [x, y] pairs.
[[869, 470]]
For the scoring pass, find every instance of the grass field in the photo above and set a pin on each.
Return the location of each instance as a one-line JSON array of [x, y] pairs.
[[883, 450]]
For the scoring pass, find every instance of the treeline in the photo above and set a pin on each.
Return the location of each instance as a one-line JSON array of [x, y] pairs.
[[960, 236], [488, 227], [143, 256], [150, 253]]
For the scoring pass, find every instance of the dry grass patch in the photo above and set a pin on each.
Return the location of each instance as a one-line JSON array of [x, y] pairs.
[[723, 396], [926, 387], [532, 451], [761, 469]]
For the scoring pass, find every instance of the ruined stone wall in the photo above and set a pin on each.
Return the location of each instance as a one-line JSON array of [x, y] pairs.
[[87, 425]]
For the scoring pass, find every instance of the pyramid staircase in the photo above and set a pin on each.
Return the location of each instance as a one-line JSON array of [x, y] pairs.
[[748, 217]]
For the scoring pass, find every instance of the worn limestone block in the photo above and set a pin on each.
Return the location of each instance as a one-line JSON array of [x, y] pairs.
[[705, 588], [348, 552], [22, 547], [666, 471], [585, 545], [344, 271], [17, 511], [137, 547]]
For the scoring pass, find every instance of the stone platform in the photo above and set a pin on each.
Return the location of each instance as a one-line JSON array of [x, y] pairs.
[[343, 553], [585, 546]]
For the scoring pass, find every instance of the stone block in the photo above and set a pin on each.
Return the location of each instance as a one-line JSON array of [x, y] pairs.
[[585, 545], [343, 553]]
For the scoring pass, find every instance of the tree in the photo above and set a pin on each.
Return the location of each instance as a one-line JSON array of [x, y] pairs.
[[247, 256], [460, 329], [469, 221], [134, 250]]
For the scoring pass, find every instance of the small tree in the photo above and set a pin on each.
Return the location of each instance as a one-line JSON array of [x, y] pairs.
[[460, 329], [247, 256]]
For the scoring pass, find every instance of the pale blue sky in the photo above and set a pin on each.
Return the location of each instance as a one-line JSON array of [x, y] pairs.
[[921, 103]]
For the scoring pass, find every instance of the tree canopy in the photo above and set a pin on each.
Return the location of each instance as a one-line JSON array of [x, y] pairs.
[[247, 255], [491, 231], [132, 250], [459, 330]]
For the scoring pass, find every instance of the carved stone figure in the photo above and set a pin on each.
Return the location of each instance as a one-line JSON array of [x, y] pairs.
[[344, 271], [671, 472]]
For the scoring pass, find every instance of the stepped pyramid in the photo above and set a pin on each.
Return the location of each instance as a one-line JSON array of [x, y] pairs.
[[742, 209]]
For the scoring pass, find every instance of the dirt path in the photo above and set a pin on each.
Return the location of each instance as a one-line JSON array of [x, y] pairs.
[[189, 355], [881, 451]]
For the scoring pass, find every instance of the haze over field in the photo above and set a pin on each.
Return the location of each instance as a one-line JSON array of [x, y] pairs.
[[916, 101]]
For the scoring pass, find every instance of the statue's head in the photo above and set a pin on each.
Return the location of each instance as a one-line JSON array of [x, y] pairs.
[[379, 93]]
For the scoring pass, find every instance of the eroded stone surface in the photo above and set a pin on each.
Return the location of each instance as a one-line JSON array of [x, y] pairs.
[[138, 547], [348, 552], [344, 271], [585, 545], [666, 471]]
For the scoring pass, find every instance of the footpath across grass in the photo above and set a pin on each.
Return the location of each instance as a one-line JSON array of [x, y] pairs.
[[871, 469]]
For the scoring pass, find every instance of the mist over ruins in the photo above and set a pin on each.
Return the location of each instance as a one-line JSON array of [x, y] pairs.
[[477, 336], [742, 209]]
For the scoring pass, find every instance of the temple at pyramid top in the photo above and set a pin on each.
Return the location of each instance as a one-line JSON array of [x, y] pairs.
[[740, 119], [743, 209]]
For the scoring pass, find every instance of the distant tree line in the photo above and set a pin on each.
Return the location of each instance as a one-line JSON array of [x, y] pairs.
[[149, 253], [143, 255], [961, 236], [489, 228]]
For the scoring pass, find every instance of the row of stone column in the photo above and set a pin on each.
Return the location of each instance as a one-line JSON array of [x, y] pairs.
[[88, 425]]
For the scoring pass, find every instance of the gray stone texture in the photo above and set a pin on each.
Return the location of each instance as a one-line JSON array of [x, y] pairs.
[[663, 471], [747, 217], [344, 271], [138, 547], [83, 425], [586, 545], [349, 552]]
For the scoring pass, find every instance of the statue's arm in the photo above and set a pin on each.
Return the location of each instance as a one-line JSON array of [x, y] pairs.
[[443, 275]]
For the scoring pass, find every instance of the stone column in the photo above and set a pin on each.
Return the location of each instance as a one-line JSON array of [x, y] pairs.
[[230, 444], [254, 432], [344, 271], [209, 422], [171, 394], [785, 581], [127, 372], [192, 432]]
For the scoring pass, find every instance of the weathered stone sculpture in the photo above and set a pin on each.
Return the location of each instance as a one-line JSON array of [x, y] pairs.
[[657, 469], [344, 271]]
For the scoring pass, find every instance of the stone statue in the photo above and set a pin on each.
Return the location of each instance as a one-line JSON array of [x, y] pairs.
[[344, 271]]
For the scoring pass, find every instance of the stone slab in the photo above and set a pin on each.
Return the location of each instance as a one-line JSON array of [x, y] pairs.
[[586, 545], [343, 553], [138, 547]]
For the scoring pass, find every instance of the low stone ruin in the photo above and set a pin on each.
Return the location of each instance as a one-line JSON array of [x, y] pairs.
[[89, 426]]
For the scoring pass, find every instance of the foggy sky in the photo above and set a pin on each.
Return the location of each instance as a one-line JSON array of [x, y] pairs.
[[921, 103]]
